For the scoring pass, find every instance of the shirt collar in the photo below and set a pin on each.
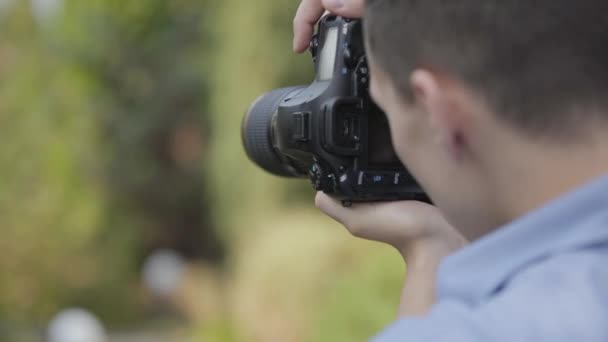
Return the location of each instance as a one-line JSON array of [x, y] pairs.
[[573, 221]]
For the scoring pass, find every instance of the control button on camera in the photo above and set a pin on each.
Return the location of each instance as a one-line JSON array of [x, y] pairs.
[[314, 46], [321, 181], [375, 179], [361, 77], [300, 127], [349, 59], [402, 179]]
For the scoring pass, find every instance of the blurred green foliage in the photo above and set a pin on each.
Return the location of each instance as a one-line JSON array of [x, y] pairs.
[[50, 205], [121, 127], [150, 87]]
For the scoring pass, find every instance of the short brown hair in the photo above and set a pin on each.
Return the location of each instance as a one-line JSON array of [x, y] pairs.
[[536, 62]]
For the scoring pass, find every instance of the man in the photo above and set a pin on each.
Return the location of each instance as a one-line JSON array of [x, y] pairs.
[[500, 110]]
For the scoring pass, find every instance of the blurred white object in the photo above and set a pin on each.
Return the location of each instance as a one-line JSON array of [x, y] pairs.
[[163, 272], [45, 10], [75, 325]]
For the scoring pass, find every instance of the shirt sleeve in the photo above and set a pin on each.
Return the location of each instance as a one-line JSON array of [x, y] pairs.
[[565, 302]]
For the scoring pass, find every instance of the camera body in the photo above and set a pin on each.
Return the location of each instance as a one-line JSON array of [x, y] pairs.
[[331, 130]]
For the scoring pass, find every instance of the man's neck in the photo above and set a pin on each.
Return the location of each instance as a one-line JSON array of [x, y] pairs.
[[539, 175]]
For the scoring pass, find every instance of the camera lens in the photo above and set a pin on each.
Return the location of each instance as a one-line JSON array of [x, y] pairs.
[[257, 135]]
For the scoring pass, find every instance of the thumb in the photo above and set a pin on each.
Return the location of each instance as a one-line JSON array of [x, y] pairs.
[[346, 8]]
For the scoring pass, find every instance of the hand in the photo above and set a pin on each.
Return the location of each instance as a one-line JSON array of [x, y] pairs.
[[417, 230], [309, 13]]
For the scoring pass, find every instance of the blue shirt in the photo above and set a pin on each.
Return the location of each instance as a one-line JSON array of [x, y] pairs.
[[543, 277]]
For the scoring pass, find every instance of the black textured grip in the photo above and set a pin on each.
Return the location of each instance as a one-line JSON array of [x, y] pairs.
[[257, 136]]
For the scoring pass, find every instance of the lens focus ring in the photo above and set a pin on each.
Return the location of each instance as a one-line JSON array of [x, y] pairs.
[[257, 132]]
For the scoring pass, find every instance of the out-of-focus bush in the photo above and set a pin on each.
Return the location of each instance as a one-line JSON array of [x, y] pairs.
[[50, 202], [121, 134], [147, 62], [295, 275]]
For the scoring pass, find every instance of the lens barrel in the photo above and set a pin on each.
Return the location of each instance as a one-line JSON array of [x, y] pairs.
[[257, 135]]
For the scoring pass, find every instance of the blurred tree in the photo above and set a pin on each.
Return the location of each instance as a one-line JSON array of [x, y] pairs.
[[151, 101], [106, 110], [252, 56], [49, 203], [112, 91]]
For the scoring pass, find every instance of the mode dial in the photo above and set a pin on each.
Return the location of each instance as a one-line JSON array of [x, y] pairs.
[[321, 180]]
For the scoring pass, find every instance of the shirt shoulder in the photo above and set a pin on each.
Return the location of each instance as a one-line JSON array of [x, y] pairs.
[[563, 297]]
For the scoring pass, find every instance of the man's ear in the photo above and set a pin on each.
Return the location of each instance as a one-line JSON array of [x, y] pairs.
[[435, 96]]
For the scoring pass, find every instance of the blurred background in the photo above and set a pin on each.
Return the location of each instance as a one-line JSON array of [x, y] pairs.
[[128, 210]]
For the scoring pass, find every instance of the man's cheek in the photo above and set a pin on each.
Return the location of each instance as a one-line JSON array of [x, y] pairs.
[[398, 137], [407, 136]]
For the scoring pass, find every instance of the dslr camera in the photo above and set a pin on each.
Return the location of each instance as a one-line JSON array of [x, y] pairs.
[[330, 131]]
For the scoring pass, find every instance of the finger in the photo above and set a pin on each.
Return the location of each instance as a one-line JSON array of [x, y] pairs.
[[330, 207], [389, 222], [355, 218], [363, 220], [346, 8], [309, 12]]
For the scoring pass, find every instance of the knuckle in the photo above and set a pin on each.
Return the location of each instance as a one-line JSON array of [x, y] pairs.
[[297, 25], [296, 20]]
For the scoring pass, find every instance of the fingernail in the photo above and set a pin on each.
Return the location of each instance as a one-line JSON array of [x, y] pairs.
[[334, 4]]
